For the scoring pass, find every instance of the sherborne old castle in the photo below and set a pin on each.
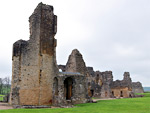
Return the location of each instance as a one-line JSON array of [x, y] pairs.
[[36, 79]]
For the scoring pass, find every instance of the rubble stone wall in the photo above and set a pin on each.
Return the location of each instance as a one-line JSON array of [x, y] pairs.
[[137, 87], [121, 92], [79, 92], [34, 61], [76, 63]]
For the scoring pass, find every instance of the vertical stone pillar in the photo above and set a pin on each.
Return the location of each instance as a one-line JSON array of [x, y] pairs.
[[34, 61]]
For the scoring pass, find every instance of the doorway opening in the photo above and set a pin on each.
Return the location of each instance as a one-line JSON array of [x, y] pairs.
[[92, 92], [68, 83], [112, 93], [121, 94]]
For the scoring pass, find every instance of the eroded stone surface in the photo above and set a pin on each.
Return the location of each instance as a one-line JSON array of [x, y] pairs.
[[34, 61], [36, 80], [76, 63], [122, 88], [101, 84], [137, 87]]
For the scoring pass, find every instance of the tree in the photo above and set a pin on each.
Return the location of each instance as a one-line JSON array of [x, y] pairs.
[[4, 85], [7, 83], [1, 85]]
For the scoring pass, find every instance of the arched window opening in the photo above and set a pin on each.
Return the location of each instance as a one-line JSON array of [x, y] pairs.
[[60, 70], [55, 85], [97, 78], [100, 82]]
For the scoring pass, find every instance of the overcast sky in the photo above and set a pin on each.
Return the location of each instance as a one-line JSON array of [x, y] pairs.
[[110, 34]]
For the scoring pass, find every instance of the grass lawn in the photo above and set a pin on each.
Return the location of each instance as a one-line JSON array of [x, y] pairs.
[[1, 98], [128, 105], [145, 94]]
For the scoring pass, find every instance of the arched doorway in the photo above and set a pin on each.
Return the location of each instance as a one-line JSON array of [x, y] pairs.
[[68, 88], [112, 93], [92, 92], [121, 93]]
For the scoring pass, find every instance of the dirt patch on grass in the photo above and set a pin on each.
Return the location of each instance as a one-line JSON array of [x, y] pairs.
[[5, 106], [97, 99]]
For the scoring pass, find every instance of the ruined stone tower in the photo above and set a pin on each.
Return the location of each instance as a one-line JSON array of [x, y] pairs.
[[34, 61]]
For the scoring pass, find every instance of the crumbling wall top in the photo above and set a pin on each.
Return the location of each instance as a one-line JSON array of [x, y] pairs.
[[18, 46], [126, 76], [76, 63], [43, 20]]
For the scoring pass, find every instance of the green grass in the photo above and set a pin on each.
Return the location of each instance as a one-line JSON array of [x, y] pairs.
[[147, 94], [1, 98], [128, 105]]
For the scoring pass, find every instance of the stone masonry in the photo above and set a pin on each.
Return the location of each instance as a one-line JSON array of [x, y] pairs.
[[76, 63], [137, 87], [101, 84], [36, 79], [34, 61], [122, 88], [77, 71], [69, 89]]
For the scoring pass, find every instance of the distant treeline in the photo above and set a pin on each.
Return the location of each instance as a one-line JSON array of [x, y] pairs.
[[5, 85], [146, 89]]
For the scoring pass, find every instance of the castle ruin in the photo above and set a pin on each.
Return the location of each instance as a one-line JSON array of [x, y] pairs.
[[36, 79], [101, 84]]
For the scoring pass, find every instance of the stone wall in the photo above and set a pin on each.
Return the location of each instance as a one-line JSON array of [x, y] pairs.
[[122, 88], [101, 84], [137, 87], [107, 79], [36, 79], [76, 63], [76, 69], [77, 94], [34, 61], [121, 92], [62, 68]]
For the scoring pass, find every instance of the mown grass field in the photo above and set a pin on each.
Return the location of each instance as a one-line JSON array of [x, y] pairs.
[[1, 97], [128, 105]]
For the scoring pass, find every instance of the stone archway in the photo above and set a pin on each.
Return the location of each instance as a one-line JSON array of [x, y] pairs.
[[68, 84]]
